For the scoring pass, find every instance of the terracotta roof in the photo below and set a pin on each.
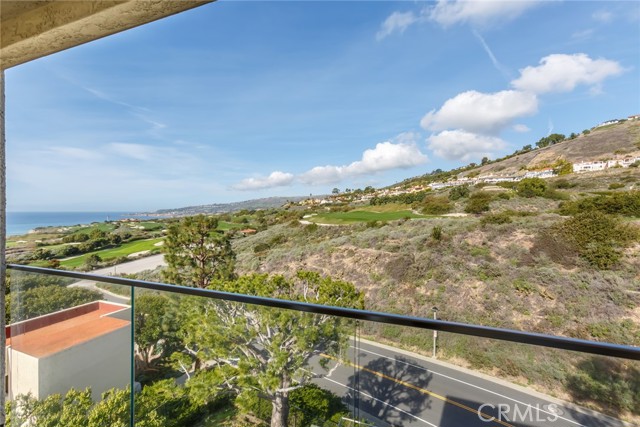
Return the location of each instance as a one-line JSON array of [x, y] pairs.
[[53, 333]]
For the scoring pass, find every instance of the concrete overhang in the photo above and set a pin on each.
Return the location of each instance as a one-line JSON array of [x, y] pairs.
[[33, 29]]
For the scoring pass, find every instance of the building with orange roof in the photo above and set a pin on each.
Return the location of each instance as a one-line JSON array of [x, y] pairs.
[[84, 346]]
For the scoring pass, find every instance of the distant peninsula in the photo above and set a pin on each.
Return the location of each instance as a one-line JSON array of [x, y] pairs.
[[216, 208]]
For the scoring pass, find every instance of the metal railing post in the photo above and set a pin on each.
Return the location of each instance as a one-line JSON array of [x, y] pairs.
[[3, 245]]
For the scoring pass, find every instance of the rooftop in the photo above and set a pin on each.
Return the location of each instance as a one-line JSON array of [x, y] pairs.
[[46, 335]]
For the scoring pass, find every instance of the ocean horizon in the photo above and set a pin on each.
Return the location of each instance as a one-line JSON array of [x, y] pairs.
[[19, 223]]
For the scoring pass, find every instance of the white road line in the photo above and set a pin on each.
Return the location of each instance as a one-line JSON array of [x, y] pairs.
[[378, 400], [471, 385]]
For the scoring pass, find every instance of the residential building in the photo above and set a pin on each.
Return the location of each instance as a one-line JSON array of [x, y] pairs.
[[84, 346]]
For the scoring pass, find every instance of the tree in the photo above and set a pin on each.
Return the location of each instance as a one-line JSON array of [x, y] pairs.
[[552, 139], [92, 261], [155, 330], [531, 187], [77, 408], [436, 205], [484, 161], [265, 350], [563, 167], [47, 299], [41, 253], [196, 253], [459, 192], [335, 191], [478, 202]]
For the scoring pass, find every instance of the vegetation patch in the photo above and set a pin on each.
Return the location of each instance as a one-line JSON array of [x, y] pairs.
[[109, 254], [357, 216], [625, 203]]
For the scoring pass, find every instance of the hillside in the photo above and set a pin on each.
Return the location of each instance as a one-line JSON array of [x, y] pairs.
[[505, 268], [600, 144], [264, 203], [608, 142]]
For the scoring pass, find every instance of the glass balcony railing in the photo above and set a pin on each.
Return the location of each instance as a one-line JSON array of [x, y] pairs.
[[106, 351]]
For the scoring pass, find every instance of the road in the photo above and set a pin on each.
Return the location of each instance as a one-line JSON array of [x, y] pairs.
[[403, 389], [142, 264]]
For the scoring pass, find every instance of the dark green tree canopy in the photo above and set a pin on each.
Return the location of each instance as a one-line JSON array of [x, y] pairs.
[[197, 253], [265, 349]]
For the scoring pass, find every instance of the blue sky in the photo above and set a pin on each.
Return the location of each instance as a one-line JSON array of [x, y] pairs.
[[240, 100]]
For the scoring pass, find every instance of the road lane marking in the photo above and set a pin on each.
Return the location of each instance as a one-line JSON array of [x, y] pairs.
[[378, 400], [472, 385], [421, 390]]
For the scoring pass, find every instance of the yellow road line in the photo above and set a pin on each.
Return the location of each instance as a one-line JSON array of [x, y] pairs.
[[421, 390]]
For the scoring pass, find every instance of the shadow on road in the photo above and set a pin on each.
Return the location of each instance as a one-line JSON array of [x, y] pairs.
[[395, 384]]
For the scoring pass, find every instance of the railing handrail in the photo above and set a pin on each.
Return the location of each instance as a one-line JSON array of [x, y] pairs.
[[532, 338]]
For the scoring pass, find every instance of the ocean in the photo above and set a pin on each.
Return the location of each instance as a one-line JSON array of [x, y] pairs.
[[22, 222]]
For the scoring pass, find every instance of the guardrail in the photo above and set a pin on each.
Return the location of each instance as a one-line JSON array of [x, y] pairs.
[[564, 343]]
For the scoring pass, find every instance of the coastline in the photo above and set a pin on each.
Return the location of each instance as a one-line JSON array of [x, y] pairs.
[[23, 223]]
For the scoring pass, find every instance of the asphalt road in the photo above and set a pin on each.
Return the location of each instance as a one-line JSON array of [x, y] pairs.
[[142, 264], [404, 390]]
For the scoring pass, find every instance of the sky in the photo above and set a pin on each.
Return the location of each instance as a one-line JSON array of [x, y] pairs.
[[238, 100]]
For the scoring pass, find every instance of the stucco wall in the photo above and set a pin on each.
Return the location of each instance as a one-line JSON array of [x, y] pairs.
[[102, 363], [23, 373]]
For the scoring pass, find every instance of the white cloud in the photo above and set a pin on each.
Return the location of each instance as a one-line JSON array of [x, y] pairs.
[[493, 58], [76, 153], [562, 73], [521, 128], [478, 12], [385, 156], [485, 113], [134, 151], [397, 21], [603, 16], [583, 35], [464, 146], [275, 179]]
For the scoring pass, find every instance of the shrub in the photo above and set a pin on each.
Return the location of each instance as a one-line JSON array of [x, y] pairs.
[[614, 382], [478, 202], [459, 192], [405, 198], [563, 167], [436, 233], [553, 194], [92, 261], [531, 187], [616, 185], [597, 237], [511, 185], [563, 184], [635, 164], [312, 405], [261, 247], [311, 228], [436, 205], [497, 218], [523, 286], [621, 203]]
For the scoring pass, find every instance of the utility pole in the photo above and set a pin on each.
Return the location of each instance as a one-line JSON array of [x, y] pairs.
[[435, 333]]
